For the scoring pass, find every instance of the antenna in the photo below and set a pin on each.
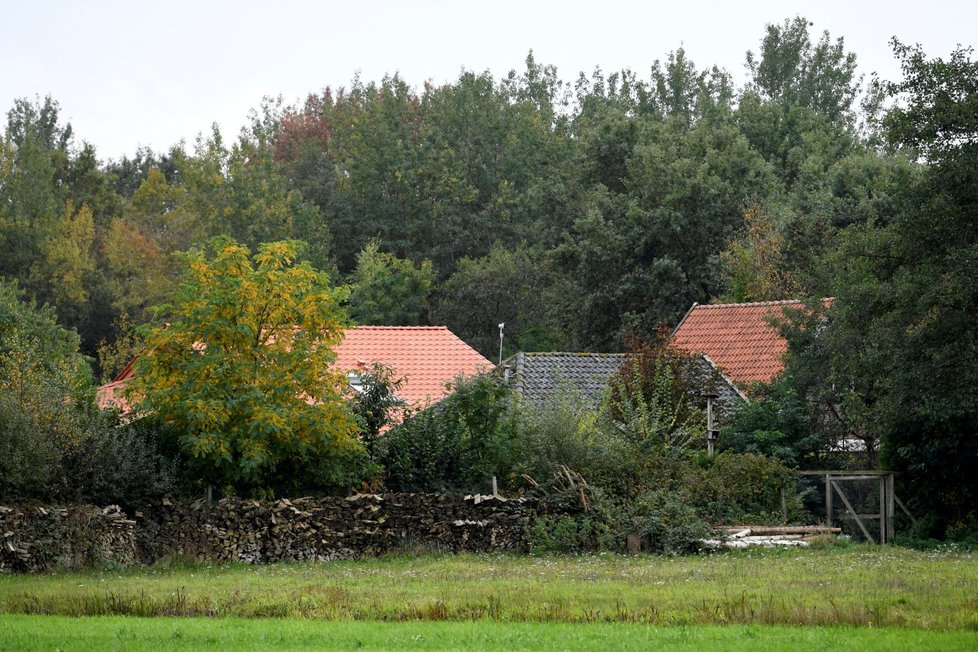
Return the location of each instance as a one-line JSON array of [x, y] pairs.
[[502, 325]]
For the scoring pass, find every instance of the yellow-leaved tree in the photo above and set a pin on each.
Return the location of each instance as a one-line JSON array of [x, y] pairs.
[[242, 373]]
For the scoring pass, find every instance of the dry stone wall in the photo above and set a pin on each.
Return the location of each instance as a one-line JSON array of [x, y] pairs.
[[234, 529]]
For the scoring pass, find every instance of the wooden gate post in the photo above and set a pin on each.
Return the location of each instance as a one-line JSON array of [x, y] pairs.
[[890, 509], [828, 500]]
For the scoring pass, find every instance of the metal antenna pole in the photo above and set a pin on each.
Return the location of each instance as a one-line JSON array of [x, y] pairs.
[[501, 326]]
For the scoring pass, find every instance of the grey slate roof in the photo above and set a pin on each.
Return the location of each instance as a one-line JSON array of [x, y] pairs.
[[538, 377]]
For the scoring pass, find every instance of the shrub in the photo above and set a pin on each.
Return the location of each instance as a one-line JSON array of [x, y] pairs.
[[561, 433], [128, 465], [650, 398], [733, 487], [668, 522], [552, 534], [30, 457], [778, 424], [456, 445]]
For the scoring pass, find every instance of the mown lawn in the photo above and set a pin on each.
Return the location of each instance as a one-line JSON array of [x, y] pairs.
[[855, 585], [127, 633]]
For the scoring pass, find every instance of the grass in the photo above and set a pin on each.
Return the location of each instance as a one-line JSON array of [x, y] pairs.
[[120, 633], [851, 586]]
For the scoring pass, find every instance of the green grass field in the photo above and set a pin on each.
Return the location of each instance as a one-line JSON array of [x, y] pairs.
[[157, 634], [833, 597]]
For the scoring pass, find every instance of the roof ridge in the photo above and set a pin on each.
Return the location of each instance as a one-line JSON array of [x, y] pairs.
[[399, 328], [752, 303], [582, 354]]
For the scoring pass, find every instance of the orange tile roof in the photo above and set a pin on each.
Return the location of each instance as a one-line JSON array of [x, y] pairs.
[[737, 337], [427, 357]]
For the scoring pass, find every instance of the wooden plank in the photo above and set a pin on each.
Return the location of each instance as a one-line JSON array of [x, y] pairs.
[[904, 508], [768, 530], [863, 477], [846, 472], [852, 511]]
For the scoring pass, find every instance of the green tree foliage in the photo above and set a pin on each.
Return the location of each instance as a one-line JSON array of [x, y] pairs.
[[519, 288], [389, 291], [660, 211], [376, 403], [779, 424], [915, 290], [243, 372], [456, 445], [26, 330], [54, 444], [789, 70], [896, 359], [55, 202]]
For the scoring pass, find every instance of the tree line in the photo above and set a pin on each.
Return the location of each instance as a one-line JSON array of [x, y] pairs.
[[579, 213]]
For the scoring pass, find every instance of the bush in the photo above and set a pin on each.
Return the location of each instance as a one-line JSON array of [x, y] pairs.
[[747, 488], [30, 457], [456, 445], [668, 522], [564, 535], [778, 424], [561, 433]]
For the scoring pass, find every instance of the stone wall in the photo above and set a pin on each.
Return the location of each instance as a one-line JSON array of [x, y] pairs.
[[233, 529]]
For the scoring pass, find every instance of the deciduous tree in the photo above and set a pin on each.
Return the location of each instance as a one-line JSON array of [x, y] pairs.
[[243, 371]]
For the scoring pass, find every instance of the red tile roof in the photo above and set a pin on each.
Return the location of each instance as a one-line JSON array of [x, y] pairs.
[[737, 337], [427, 357]]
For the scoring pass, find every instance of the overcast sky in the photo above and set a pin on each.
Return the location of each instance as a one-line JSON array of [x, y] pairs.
[[137, 73]]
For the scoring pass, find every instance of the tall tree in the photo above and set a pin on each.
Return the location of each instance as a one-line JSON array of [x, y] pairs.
[[663, 204], [902, 340], [519, 288], [390, 291], [243, 371]]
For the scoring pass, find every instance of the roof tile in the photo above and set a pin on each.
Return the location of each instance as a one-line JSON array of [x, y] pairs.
[[738, 338], [427, 357]]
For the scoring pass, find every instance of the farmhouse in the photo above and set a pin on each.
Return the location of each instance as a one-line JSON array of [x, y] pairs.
[[426, 357], [539, 378], [739, 339]]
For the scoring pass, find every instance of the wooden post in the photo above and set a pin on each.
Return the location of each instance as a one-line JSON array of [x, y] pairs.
[[890, 509], [495, 487], [853, 512], [883, 529], [828, 500]]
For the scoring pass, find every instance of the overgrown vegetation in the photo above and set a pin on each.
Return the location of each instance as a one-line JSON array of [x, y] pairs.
[[577, 213], [924, 590]]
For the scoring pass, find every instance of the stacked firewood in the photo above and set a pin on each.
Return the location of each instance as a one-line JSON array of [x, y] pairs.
[[41, 538], [322, 529], [744, 536]]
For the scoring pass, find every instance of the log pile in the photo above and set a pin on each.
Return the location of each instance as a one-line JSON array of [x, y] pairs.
[[41, 538], [745, 536], [323, 529]]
